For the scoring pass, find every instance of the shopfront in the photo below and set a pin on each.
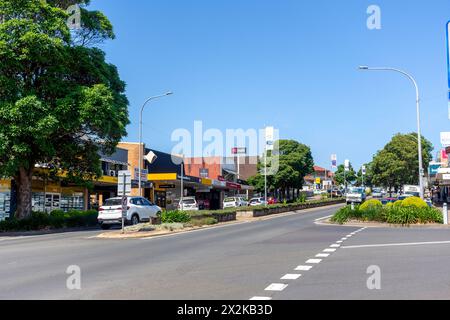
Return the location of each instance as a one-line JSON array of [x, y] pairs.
[[5, 199]]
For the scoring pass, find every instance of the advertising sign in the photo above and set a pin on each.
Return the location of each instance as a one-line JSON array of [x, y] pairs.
[[334, 161], [144, 174], [270, 136], [239, 151], [347, 165], [445, 139]]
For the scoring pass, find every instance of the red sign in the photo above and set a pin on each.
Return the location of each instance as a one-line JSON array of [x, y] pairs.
[[444, 155], [233, 185], [220, 178]]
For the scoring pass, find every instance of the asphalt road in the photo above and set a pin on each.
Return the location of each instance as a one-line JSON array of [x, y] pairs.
[[233, 262]]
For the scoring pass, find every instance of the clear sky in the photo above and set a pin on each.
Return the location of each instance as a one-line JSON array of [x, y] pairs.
[[287, 63]]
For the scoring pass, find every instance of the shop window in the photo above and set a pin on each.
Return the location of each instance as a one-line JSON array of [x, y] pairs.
[[5, 205]]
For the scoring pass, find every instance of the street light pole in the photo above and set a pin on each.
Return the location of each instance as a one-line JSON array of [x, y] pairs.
[[419, 135], [140, 136]]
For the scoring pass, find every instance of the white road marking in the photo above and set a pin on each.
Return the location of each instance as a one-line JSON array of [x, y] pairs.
[[320, 219], [261, 298], [329, 250], [291, 276], [344, 239], [397, 244], [323, 255], [335, 246], [340, 241], [276, 287], [303, 268], [314, 261], [349, 236]]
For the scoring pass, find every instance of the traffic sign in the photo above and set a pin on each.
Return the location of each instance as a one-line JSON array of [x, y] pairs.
[[124, 183], [124, 206]]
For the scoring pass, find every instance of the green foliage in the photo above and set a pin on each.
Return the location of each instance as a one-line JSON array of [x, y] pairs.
[[414, 202], [350, 176], [295, 162], [56, 220], [61, 103], [175, 216], [398, 164], [203, 222], [372, 203], [392, 214]]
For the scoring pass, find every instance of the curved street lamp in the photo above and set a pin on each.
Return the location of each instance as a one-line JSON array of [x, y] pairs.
[[140, 135], [419, 135]]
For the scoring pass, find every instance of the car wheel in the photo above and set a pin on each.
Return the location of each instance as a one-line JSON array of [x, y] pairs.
[[134, 220], [105, 226]]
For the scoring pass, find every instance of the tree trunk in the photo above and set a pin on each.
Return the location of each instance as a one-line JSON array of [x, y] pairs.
[[23, 183]]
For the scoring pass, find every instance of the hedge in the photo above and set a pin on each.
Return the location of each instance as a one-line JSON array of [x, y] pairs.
[[55, 220], [392, 214]]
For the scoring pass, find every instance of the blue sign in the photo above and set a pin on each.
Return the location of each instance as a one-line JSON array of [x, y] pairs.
[[433, 169], [448, 63]]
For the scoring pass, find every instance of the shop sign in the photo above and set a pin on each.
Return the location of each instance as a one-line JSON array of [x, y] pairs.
[[233, 185], [167, 186]]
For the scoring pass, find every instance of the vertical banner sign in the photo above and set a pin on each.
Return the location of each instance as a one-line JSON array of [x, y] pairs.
[[448, 65], [270, 133], [347, 165], [364, 170], [334, 161]]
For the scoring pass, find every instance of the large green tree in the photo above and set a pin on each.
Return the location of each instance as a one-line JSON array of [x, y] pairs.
[[61, 103], [397, 163], [343, 177], [368, 177], [295, 161]]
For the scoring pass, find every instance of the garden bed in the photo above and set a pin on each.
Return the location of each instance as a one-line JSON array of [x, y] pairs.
[[411, 211]]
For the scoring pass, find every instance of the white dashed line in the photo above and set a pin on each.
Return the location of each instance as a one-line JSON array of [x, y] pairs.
[[261, 298], [291, 276], [329, 250], [340, 241], [276, 287], [303, 268], [323, 255], [335, 246], [314, 261]]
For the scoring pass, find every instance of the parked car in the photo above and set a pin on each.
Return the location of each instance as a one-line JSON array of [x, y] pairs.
[[257, 202], [356, 195], [139, 210], [234, 202], [188, 204], [378, 193], [385, 201]]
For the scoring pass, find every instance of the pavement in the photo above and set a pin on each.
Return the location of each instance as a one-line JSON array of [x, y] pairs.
[[255, 260]]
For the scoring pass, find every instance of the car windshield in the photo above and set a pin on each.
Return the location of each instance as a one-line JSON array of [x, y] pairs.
[[188, 201], [113, 202], [355, 190], [229, 200], [377, 190]]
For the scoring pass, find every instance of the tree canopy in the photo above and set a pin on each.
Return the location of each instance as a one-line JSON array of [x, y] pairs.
[[61, 103], [350, 176], [397, 163], [295, 162]]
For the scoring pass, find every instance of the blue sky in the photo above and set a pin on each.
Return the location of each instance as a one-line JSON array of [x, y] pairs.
[[288, 63]]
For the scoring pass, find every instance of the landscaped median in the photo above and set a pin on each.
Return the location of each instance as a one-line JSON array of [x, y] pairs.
[[179, 221], [411, 211]]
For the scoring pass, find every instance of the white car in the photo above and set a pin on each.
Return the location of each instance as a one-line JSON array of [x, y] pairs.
[[234, 202], [254, 202], [139, 210], [188, 204]]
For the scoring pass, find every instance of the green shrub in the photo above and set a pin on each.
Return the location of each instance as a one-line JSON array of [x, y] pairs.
[[372, 203], [203, 222], [414, 202], [55, 220], [398, 203], [345, 214], [175, 216]]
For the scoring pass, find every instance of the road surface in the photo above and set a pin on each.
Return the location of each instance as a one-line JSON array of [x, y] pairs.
[[234, 262]]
